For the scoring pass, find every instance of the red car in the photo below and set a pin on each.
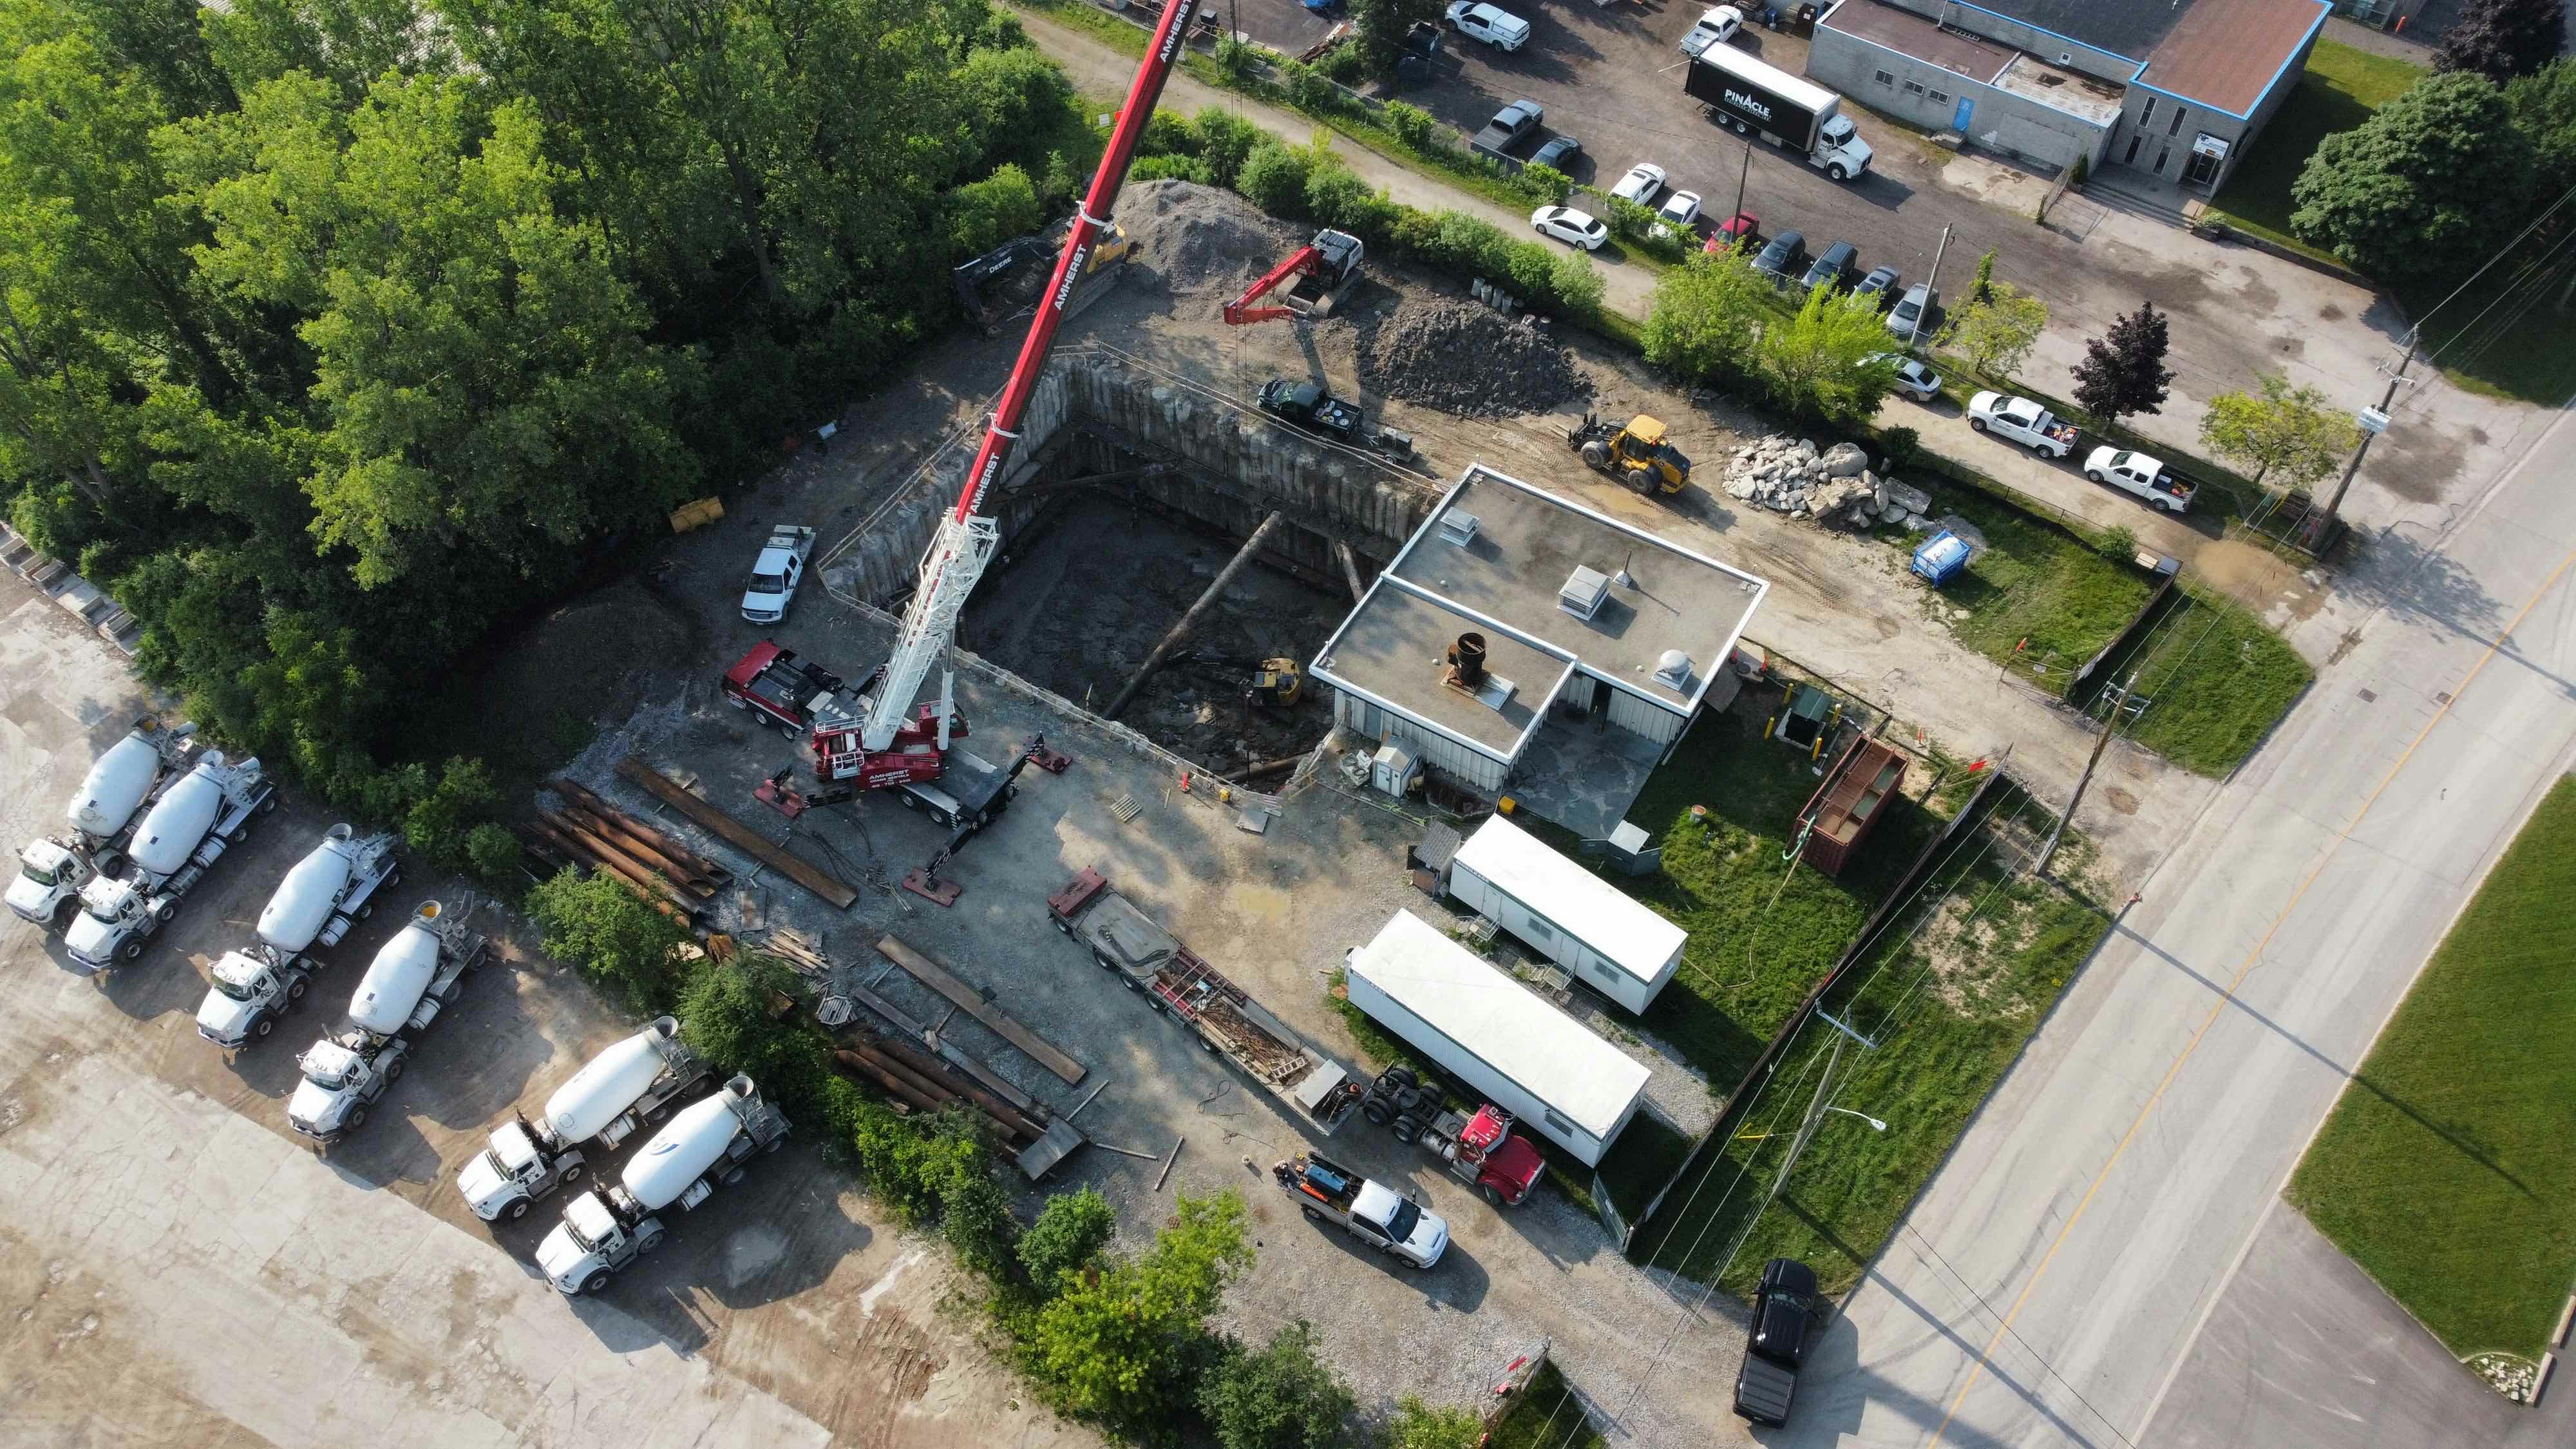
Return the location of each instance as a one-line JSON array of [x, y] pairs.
[[1741, 229]]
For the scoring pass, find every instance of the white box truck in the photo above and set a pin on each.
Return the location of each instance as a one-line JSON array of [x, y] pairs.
[[631, 1083], [1788, 111], [1497, 1036], [1603, 937]]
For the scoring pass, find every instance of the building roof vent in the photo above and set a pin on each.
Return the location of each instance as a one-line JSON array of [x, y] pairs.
[[1583, 591], [1673, 670], [1458, 526]]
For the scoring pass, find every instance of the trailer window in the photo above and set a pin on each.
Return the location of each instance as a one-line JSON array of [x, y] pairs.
[[1940, 98], [1914, 88], [1886, 78], [1555, 1120]]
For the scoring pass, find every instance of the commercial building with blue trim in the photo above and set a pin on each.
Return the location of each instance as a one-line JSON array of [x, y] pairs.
[[2174, 89]]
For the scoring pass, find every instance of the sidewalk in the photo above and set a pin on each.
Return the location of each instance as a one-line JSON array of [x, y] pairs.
[[1097, 69]]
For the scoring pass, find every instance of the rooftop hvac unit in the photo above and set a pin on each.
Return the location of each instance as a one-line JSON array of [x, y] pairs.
[[1458, 527], [1583, 592]]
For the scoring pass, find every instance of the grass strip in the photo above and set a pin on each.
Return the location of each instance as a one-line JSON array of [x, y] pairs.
[[2444, 1170]]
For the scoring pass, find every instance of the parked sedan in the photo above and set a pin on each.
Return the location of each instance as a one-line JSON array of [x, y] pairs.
[[1784, 258], [1913, 378], [1572, 227], [1560, 151], [1880, 287], [1679, 213], [1641, 184], [1741, 229], [1915, 311]]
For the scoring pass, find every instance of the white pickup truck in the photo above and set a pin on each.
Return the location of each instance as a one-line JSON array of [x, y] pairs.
[[776, 573], [2137, 473], [1372, 1212], [2023, 421]]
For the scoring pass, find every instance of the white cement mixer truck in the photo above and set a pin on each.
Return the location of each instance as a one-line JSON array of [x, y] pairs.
[[186, 832], [631, 1083], [603, 1231], [52, 871], [409, 983], [325, 894]]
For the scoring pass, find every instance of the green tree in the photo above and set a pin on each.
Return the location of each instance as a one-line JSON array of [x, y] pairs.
[[1280, 1396], [1707, 316], [1828, 361], [1117, 1348], [2503, 39], [2423, 187], [1274, 177], [1071, 1233], [1418, 1425], [2544, 109], [481, 374], [437, 824], [729, 1014], [593, 921], [1996, 335], [984, 214], [2123, 372], [1226, 141], [1984, 288], [2290, 436]]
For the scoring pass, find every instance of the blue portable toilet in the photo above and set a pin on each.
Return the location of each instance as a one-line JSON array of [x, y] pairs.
[[1936, 561]]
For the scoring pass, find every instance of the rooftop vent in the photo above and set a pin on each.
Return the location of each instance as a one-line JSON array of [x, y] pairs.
[[1458, 527], [1467, 661], [1583, 592], [1673, 670]]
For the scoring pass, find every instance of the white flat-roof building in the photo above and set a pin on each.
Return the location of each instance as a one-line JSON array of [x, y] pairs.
[[1555, 607], [1610, 940]]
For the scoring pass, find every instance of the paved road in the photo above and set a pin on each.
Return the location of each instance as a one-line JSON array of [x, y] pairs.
[[2304, 1349], [2059, 1269]]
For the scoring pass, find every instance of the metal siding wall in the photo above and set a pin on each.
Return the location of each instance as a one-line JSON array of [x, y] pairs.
[[1644, 717], [1436, 751]]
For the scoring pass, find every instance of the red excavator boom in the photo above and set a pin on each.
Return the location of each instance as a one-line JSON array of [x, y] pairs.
[[1301, 263]]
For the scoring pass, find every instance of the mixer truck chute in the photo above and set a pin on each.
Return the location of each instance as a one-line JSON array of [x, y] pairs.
[[631, 1083], [703, 1147], [325, 893]]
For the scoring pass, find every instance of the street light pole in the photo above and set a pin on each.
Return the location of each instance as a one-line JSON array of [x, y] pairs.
[[2414, 339]]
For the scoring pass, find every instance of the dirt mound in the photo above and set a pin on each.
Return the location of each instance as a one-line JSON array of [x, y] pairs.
[[1470, 360], [1200, 238]]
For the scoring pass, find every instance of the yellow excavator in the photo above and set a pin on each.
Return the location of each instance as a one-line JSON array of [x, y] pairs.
[[1639, 455], [1276, 683]]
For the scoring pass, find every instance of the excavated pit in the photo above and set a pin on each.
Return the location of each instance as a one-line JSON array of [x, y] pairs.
[[1092, 583]]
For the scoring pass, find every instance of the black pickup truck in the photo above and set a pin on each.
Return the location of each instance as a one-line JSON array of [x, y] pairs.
[[1787, 1316], [1309, 406]]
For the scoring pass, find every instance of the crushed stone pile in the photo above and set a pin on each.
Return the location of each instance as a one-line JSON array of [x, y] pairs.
[[1198, 238], [1834, 486], [1466, 359]]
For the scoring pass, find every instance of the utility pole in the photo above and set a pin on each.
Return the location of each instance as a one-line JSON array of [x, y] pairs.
[[1741, 173], [2110, 726], [1932, 292], [1816, 1109], [2414, 339]]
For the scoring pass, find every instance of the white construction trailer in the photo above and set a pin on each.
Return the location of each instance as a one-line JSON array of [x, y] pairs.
[[1605, 938], [1497, 1036]]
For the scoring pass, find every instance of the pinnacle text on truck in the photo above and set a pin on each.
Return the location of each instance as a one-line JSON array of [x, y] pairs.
[[325, 893], [633, 1082], [605, 1230], [1795, 114]]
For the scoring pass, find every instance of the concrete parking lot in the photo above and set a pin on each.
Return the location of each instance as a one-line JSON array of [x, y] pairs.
[[184, 1270], [1612, 76]]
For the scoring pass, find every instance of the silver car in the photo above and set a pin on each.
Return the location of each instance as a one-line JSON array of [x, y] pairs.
[[1914, 310]]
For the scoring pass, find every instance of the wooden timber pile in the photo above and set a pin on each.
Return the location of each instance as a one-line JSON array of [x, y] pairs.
[[589, 831]]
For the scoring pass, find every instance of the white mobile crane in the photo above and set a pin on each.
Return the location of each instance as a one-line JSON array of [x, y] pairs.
[[892, 744]]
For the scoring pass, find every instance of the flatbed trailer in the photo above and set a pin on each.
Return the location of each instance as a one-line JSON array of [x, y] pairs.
[[1176, 982]]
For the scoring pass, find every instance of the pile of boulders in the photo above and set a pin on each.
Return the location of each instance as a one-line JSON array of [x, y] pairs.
[[1834, 486]]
